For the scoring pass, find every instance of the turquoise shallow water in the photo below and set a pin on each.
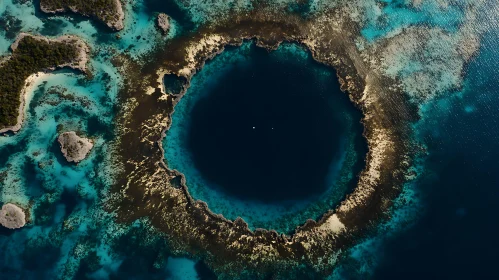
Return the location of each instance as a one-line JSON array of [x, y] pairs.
[[395, 15], [443, 225], [447, 214], [70, 229]]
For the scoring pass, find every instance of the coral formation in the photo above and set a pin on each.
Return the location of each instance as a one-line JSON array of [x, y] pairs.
[[315, 244]]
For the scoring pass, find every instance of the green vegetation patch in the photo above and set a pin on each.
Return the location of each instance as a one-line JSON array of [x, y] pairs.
[[31, 56], [104, 10]]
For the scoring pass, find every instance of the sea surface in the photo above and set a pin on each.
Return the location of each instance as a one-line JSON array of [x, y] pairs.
[[448, 230], [455, 235]]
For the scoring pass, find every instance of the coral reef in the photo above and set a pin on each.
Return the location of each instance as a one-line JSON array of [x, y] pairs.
[[73, 147], [12, 216]]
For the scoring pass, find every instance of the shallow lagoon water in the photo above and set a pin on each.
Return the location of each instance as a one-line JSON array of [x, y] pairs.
[[268, 137]]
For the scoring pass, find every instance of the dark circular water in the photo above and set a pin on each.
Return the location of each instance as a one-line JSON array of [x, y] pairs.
[[269, 130]]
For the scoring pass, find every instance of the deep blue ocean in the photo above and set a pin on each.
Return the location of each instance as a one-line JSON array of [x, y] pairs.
[[449, 232], [272, 124], [455, 236]]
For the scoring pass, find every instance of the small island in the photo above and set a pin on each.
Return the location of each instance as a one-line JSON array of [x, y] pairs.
[[73, 147], [163, 23], [110, 12], [31, 57], [12, 216]]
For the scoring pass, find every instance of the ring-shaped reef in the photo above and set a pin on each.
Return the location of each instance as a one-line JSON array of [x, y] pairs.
[[266, 136], [149, 188]]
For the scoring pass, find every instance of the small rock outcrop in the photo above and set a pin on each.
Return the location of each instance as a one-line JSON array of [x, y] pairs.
[[73, 147], [12, 216], [163, 23]]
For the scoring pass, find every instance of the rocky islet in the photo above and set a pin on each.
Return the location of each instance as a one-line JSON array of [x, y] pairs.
[[73, 147], [163, 22]]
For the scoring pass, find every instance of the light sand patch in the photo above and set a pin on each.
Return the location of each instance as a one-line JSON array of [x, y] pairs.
[[332, 224]]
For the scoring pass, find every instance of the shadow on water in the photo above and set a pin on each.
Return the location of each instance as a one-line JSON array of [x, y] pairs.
[[53, 27], [204, 272], [34, 262], [37, 96], [7, 232], [70, 199], [7, 150], [10, 26], [96, 127]]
